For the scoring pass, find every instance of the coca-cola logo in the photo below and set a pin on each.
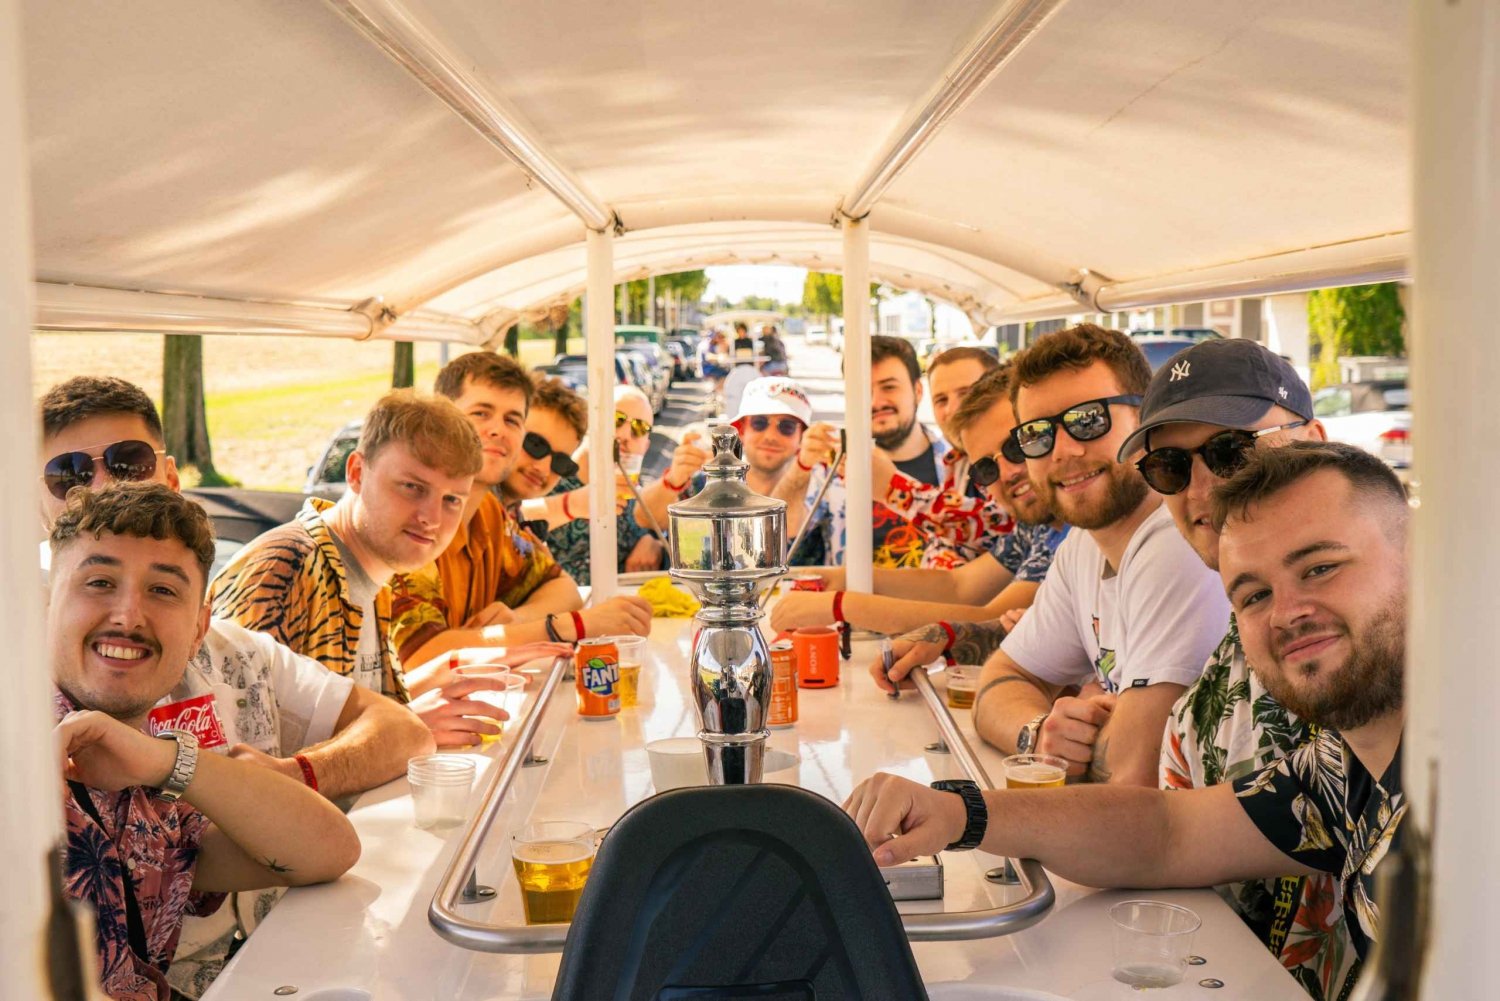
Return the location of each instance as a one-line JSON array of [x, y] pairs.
[[197, 716]]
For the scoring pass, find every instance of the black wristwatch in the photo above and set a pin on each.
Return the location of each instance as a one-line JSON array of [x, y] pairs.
[[978, 815]]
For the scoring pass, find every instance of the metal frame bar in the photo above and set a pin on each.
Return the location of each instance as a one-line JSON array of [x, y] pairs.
[[403, 37]]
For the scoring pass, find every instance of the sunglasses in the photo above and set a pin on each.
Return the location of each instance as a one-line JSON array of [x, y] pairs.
[[1169, 470], [1083, 422], [985, 470], [128, 460], [538, 447], [638, 427], [787, 427]]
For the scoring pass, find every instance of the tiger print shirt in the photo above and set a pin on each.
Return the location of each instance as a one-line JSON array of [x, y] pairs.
[[291, 583]]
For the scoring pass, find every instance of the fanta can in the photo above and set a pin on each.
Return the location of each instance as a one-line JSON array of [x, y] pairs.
[[597, 664]]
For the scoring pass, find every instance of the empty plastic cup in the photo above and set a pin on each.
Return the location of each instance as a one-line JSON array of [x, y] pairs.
[[1152, 942], [440, 789], [677, 762]]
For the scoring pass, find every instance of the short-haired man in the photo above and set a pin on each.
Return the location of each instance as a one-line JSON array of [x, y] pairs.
[[1201, 417], [916, 451], [1312, 556], [1127, 606], [156, 831], [975, 594]]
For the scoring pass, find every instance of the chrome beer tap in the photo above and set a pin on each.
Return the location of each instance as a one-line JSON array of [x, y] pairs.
[[728, 544]]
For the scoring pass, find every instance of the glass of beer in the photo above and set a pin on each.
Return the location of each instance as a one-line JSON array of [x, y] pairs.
[[632, 652], [1035, 771], [552, 860], [962, 679]]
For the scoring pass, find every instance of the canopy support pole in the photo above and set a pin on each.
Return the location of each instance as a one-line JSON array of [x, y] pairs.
[[1450, 776], [29, 783], [599, 345], [859, 496]]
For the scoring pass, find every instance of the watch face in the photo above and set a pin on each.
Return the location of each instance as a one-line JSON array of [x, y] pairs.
[[1023, 742]]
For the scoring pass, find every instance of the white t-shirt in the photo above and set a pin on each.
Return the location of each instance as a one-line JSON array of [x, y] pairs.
[[1156, 620], [266, 695]]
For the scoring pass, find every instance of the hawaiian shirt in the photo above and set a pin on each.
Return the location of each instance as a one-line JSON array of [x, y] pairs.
[[291, 583], [490, 559], [1321, 807], [896, 543], [1225, 727], [1027, 550], [154, 845], [570, 543], [956, 526]]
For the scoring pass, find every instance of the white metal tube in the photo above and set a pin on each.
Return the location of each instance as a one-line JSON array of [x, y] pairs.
[[975, 66], [29, 782], [408, 41], [599, 345], [859, 496], [1451, 781]]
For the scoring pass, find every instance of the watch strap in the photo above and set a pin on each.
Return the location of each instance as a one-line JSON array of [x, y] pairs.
[[1026, 741], [183, 767], [976, 814]]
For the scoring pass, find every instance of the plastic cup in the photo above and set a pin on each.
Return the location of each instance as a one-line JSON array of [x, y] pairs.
[[962, 680], [440, 789], [1152, 942], [508, 698], [632, 655], [677, 762], [1034, 771], [552, 861]]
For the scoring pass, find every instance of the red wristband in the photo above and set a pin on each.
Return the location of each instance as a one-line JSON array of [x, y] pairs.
[[952, 636], [838, 606], [578, 627], [308, 775], [566, 513], [675, 488], [805, 469]]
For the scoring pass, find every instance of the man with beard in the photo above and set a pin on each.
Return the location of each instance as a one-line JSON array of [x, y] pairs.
[[895, 392], [975, 594], [1127, 610], [1312, 556]]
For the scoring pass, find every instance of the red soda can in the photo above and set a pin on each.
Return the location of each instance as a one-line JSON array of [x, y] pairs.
[[783, 708], [597, 665], [806, 582], [198, 716]]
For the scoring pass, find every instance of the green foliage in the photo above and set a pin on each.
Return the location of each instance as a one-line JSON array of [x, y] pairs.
[[1359, 320], [823, 293], [690, 285]]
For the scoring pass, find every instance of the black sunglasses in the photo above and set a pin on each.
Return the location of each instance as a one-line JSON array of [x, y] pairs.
[[1083, 422], [1169, 470], [538, 447], [785, 426], [985, 470], [128, 460]]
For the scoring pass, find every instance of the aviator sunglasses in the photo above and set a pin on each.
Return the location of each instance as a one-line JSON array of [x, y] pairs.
[[638, 427], [1169, 470], [538, 447], [128, 460], [1083, 422], [787, 427], [984, 471]]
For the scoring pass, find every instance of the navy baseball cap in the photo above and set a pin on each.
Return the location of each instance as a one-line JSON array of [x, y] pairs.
[[1229, 382]]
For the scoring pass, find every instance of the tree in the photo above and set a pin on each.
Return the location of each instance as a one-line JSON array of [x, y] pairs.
[[689, 284], [404, 366], [1358, 320], [184, 416], [512, 340]]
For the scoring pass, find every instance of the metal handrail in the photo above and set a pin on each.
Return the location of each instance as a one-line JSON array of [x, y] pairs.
[[994, 921], [483, 937]]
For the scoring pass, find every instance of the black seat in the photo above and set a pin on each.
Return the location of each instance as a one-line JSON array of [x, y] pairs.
[[734, 892]]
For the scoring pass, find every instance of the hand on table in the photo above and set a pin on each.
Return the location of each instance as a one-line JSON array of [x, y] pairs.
[[1070, 730], [645, 555], [917, 648], [496, 613], [802, 608], [901, 819], [455, 719], [622, 615]]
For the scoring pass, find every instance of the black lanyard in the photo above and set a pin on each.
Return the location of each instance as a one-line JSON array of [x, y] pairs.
[[135, 929]]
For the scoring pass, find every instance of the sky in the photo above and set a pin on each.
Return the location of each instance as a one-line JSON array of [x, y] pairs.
[[735, 281]]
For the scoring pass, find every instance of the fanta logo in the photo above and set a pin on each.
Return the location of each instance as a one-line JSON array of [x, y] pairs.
[[600, 676]]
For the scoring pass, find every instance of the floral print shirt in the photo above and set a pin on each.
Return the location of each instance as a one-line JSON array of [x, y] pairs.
[[140, 838], [897, 541], [1027, 550], [570, 543], [956, 526], [1225, 727]]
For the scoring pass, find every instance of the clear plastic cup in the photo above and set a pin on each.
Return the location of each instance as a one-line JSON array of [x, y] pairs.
[[632, 654], [962, 681], [552, 861], [509, 698], [440, 789], [677, 762], [1152, 942], [1034, 771]]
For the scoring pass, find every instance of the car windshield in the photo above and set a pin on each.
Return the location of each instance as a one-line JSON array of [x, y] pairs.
[[1157, 352]]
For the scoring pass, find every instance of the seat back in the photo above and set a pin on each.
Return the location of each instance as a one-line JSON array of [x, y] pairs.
[[730, 892]]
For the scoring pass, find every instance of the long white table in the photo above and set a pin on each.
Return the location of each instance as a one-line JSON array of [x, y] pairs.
[[367, 936]]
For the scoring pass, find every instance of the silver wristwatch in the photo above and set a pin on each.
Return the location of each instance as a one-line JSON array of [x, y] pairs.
[[183, 768], [1026, 739]]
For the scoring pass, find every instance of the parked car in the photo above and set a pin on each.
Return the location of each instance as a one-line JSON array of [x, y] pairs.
[[325, 478], [1376, 416], [815, 333], [572, 371], [650, 340], [651, 377], [240, 515], [681, 364], [1159, 348]]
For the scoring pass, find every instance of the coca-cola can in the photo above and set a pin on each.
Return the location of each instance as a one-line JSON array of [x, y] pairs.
[[198, 716], [806, 582]]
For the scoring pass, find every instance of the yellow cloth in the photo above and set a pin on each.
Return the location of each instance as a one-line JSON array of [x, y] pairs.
[[667, 600]]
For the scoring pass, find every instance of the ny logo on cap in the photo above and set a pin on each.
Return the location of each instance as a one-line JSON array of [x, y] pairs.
[[1180, 370]]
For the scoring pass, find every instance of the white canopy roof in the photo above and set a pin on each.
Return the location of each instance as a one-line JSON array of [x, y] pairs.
[[271, 151]]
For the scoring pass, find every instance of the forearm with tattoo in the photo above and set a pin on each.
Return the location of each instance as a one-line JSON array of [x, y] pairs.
[[973, 642]]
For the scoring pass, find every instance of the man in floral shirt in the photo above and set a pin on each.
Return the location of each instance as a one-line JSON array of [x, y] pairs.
[[154, 830]]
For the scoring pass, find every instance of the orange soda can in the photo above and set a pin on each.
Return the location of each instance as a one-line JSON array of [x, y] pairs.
[[783, 710], [598, 678]]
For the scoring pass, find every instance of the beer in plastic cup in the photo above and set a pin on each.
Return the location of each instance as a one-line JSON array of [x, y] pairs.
[[552, 861], [1035, 771], [962, 680], [632, 653], [508, 698]]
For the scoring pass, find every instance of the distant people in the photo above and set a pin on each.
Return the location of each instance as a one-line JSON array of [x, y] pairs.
[[1312, 554], [745, 371], [714, 358], [154, 829], [773, 350], [916, 451]]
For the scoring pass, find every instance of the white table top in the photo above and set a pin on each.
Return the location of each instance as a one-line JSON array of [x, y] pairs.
[[367, 935]]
